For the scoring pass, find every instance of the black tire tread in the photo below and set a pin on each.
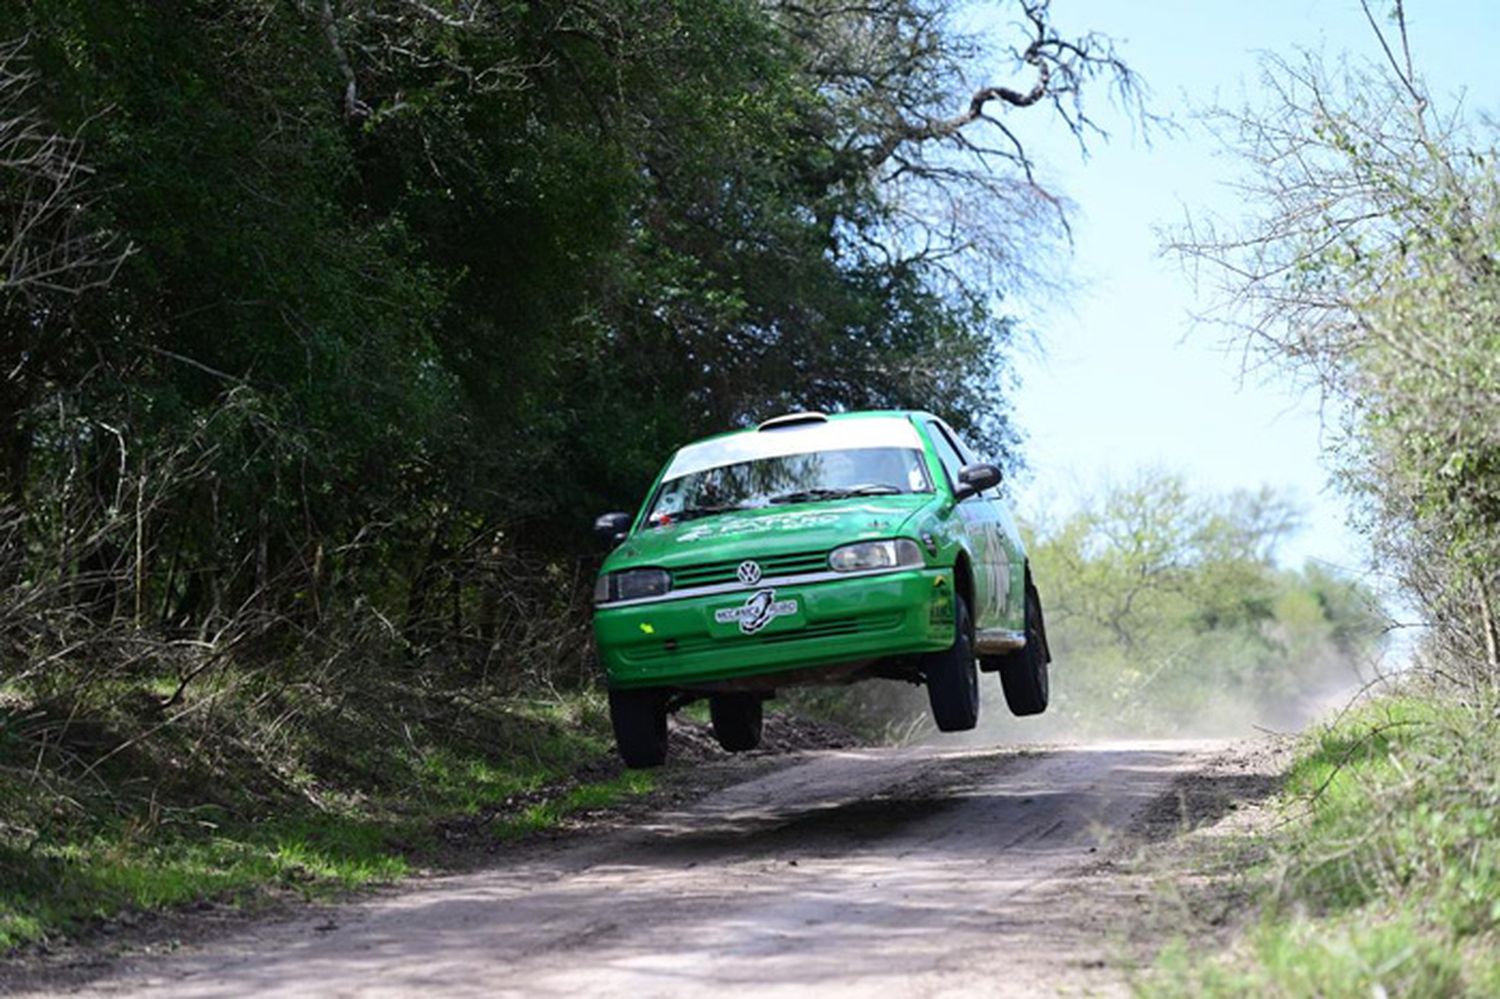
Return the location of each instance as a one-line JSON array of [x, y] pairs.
[[1023, 675], [639, 718], [953, 679], [737, 720]]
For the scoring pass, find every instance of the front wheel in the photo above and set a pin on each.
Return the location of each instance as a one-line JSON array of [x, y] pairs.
[[639, 718], [737, 720], [953, 677], [1023, 674]]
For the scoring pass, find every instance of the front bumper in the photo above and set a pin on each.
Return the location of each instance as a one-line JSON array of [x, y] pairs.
[[698, 640]]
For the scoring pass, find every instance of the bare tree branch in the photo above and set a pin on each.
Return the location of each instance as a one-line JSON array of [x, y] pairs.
[[374, 41], [46, 243], [353, 106]]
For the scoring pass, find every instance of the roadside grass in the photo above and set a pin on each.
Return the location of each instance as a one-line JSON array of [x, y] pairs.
[[1385, 880], [587, 797], [346, 801]]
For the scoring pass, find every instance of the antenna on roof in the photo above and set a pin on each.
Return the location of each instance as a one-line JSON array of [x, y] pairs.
[[793, 420]]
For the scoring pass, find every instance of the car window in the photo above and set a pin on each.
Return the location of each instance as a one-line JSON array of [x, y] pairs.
[[947, 453], [954, 445], [785, 479]]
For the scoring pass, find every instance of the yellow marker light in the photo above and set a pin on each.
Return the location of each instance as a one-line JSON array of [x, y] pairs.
[[647, 628]]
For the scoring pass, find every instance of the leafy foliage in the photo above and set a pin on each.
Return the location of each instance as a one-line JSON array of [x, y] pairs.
[[1167, 613], [326, 326], [376, 285], [1368, 263]]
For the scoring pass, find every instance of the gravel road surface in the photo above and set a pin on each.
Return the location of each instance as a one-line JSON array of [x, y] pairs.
[[921, 871]]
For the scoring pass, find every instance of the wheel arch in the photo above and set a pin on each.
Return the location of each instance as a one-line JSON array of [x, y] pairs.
[[963, 578]]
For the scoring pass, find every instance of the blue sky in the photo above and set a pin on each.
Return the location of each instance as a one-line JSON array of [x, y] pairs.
[[1123, 379]]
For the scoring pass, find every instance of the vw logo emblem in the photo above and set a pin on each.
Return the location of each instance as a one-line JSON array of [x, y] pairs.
[[749, 572]]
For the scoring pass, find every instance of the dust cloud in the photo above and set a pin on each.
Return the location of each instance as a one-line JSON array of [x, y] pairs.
[[1095, 712]]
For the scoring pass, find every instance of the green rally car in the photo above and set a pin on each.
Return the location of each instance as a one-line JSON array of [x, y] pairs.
[[815, 549]]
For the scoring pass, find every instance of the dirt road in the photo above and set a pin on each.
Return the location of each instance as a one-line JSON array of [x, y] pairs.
[[905, 872]]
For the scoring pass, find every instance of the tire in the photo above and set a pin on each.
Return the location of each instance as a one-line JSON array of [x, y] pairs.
[[639, 718], [953, 677], [737, 720], [1023, 676]]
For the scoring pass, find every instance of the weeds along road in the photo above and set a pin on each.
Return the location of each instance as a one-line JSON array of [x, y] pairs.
[[914, 872]]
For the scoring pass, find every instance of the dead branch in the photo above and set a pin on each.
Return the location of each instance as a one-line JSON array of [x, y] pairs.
[[46, 243], [1062, 67]]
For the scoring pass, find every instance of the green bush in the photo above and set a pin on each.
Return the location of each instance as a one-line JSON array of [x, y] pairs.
[[1388, 880]]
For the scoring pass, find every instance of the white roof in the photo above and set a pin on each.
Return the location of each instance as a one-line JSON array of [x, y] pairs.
[[835, 435]]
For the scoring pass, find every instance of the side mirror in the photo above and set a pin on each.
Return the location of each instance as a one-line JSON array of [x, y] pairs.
[[611, 528], [976, 478]]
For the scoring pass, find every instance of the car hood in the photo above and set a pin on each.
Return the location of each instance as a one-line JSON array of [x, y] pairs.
[[769, 531]]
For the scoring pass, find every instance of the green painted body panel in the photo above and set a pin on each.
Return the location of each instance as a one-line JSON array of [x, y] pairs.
[[763, 533], [836, 622], [678, 642]]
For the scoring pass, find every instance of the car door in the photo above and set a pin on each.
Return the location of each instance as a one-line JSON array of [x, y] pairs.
[[1014, 555], [982, 528]]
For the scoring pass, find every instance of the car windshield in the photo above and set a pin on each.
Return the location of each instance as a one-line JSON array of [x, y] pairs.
[[811, 477]]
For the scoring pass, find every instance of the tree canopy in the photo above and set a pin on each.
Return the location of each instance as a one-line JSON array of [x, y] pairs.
[[1167, 612], [308, 302], [1367, 262]]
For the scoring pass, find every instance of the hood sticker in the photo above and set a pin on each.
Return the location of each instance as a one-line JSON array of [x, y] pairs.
[[790, 521], [757, 612]]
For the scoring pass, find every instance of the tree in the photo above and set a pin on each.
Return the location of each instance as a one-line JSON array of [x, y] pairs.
[[1368, 263], [1166, 612], [417, 287], [47, 246], [52, 250]]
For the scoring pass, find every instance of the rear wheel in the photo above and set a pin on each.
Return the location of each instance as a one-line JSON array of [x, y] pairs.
[[953, 677], [639, 718], [737, 720], [1023, 674]]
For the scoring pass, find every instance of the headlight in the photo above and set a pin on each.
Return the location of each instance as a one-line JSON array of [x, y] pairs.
[[875, 555], [632, 584]]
